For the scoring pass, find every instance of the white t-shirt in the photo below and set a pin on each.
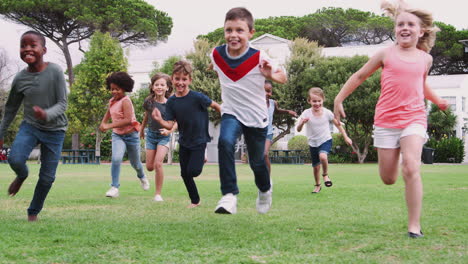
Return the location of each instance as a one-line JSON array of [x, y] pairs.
[[242, 85], [318, 128]]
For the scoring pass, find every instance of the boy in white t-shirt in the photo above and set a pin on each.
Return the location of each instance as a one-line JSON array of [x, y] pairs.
[[242, 71], [319, 122]]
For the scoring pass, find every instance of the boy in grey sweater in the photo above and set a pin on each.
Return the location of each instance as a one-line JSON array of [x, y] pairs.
[[42, 90]]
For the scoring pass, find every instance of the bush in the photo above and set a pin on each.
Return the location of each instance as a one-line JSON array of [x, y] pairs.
[[447, 149], [88, 141], [341, 152], [300, 142]]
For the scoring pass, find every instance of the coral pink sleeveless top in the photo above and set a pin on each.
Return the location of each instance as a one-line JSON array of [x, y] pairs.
[[117, 114], [401, 101]]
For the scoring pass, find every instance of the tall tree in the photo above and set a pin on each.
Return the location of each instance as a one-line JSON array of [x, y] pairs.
[[71, 21], [330, 75], [89, 96], [448, 53], [205, 80]]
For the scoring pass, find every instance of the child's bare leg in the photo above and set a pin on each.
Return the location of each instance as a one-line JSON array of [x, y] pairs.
[[411, 148], [150, 154], [317, 178], [388, 164], [158, 165], [324, 161]]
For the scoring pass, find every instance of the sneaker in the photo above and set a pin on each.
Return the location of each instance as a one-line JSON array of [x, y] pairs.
[[227, 204], [264, 201], [112, 192], [158, 198], [144, 183]]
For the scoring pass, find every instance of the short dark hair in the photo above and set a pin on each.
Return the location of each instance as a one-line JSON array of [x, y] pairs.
[[39, 35], [240, 13], [182, 67], [122, 79], [269, 82]]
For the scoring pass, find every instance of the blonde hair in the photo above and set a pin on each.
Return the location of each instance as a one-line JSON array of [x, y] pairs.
[[427, 41], [316, 91]]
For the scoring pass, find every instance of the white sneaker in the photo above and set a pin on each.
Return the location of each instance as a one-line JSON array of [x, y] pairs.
[[158, 198], [264, 201], [113, 192], [227, 204], [144, 183]]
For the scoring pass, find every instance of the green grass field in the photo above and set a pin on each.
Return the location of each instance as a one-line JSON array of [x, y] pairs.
[[358, 220]]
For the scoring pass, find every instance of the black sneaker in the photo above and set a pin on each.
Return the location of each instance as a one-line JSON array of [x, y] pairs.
[[414, 235]]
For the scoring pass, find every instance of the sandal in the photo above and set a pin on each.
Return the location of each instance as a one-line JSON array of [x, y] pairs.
[[317, 185], [327, 183]]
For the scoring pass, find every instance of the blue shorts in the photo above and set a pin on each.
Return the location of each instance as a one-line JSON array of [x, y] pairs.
[[154, 139], [315, 151], [269, 137]]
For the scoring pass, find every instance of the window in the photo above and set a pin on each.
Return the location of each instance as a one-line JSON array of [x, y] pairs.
[[463, 104], [452, 101]]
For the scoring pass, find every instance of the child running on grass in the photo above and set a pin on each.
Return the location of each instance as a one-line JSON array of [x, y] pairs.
[[157, 137], [400, 116], [319, 123], [42, 90], [273, 107], [190, 110], [125, 130], [242, 71]]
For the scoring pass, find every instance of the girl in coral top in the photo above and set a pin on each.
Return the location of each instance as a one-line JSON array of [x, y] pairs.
[[125, 130], [400, 116]]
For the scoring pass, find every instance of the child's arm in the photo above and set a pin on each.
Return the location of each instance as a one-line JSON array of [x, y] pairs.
[[106, 118], [430, 95], [157, 116], [127, 120], [302, 121], [343, 132], [284, 111], [215, 106], [277, 75], [143, 125], [355, 80], [166, 132]]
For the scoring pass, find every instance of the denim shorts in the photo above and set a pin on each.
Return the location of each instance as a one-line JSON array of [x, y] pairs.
[[269, 137], [154, 139], [315, 151]]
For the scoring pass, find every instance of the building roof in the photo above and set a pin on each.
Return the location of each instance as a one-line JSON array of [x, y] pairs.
[[269, 39], [350, 51]]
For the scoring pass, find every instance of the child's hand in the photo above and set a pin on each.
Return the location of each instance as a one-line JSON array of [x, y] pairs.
[[292, 113], [304, 120], [39, 113], [164, 132], [156, 114], [266, 69], [104, 127], [339, 112], [348, 141], [443, 104]]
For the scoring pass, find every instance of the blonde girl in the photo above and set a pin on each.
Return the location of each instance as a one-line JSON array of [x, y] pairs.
[[157, 137], [400, 115]]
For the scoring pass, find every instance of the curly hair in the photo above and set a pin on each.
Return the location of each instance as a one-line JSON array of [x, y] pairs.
[[121, 79], [156, 77], [427, 41]]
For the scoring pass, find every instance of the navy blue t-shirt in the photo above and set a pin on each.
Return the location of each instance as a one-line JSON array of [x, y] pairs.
[[191, 114]]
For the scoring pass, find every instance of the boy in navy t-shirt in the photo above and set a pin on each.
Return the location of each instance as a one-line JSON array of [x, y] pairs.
[[189, 109]]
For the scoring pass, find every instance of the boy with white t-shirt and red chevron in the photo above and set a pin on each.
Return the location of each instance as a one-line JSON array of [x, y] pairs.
[[242, 71]]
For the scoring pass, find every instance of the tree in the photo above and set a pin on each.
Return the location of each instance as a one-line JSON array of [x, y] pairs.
[[89, 97], [71, 21], [441, 123], [334, 27], [293, 94], [205, 80], [448, 55], [330, 75]]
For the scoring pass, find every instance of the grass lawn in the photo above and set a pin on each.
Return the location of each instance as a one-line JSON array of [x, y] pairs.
[[358, 220]]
